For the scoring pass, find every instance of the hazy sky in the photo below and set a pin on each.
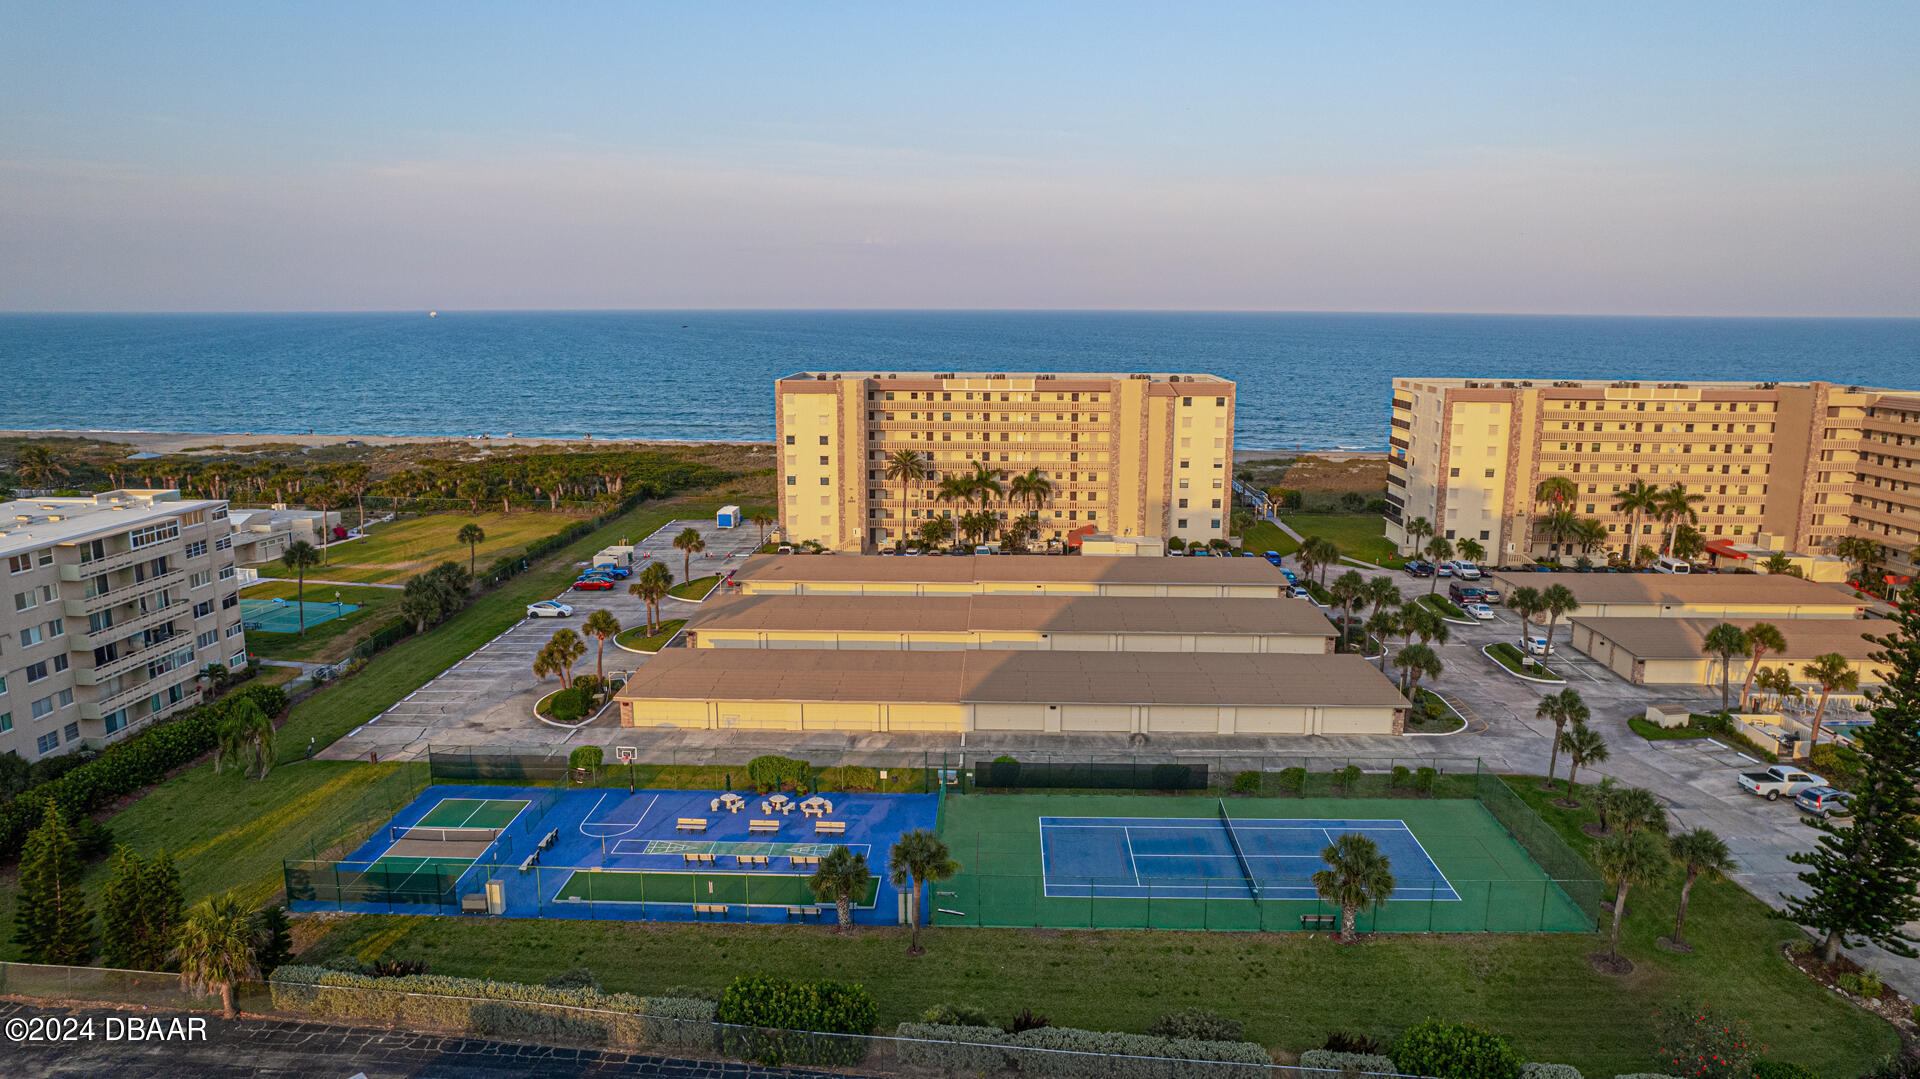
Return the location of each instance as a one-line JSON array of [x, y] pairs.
[[1695, 158]]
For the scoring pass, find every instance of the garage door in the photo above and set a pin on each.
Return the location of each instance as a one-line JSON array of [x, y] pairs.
[[925, 717], [1356, 720], [1096, 717], [1198, 719], [1223, 643], [1009, 717], [1270, 720], [840, 717]]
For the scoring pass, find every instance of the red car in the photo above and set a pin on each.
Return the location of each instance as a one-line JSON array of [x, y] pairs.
[[593, 584]]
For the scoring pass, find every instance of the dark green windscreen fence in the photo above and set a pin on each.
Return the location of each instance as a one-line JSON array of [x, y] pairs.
[[1091, 775], [458, 763]]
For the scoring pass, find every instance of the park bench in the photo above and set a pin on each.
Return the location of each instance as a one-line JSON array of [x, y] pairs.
[[751, 859], [550, 839], [803, 913], [718, 910], [473, 903], [829, 827], [690, 824], [762, 826], [799, 861], [527, 865], [698, 859], [1319, 921]]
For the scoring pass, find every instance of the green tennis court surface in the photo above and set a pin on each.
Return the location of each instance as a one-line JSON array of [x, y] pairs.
[[472, 813], [283, 616], [748, 889], [735, 849]]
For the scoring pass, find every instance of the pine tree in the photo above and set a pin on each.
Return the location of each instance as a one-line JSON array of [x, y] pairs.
[[1864, 871], [51, 920], [122, 924], [166, 908], [276, 932]]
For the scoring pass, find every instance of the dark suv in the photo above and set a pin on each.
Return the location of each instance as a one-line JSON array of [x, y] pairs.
[[1418, 568]]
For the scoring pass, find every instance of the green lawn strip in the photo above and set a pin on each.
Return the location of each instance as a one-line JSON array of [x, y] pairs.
[[1445, 607], [1509, 657], [1653, 732], [394, 551], [1434, 718], [228, 833], [758, 889], [637, 637], [695, 589], [1361, 537], [1266, 536], [329, 641], [407, 666]]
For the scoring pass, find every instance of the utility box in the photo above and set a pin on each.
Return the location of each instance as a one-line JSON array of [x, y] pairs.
[[496, 897], [728, 517]]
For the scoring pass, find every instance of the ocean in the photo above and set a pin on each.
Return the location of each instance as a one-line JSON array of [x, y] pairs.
[[1315, 381]]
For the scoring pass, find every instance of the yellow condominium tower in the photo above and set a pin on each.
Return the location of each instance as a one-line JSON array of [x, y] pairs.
[[1802, 465], [1129, 455]]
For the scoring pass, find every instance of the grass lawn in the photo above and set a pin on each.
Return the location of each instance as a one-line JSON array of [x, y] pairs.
[[1653, 732], [1364, 538], [328, 642], [637, 638], [1509, 657], [695, 589], [1264, 536], [1445, 607], [395, 551], [1290, 991]]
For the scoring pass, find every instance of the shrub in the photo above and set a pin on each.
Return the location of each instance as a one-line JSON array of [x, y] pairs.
[[1402, 775], [1026, 1020], [1842, 765], [1423, 779], [956, 1015], [777, 1006], [771, 773], [962, 1048], [1454, 1051], [1127, 1056], [1865, 983], [479, 1006], [567, 706], [397, 968], [1780, 1069], [588, 757], [1800, 946], [1335, 1060], [1203, 1026], [1293, 780], [574, 978], [1550, 1071], [1246, 783], [1342, 1042], [1175, 543], [91, 839], [1690, 1038], [1347, 778]]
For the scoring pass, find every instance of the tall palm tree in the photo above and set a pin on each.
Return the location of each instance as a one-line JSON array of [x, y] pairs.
[[1778, 683], [1563, 708], [322, 498], [245, 738], [1418, 530], [1583, 745], [1700, 853], [1381, 592], [1439, 549], [1556, 600], [1559, 527], [1325, 555], [763, 520], [1347, 589], [985, 483], [906, 468], [1779, 563], [300, 557], [688, 543], [1629, 859], [1727, 640], [36, 466], [1675, 507], [1864, 553], [473, 536], [1416, 661], [1031, 489], [1382, 624], [917, 858], [1526, 602], [841, 876], [217, 948], [1636, 808], [936, 531], [1471, 550], [1638, 498], [1557, 494], [1358, 877], [954, 489], [601, 625], [1830, 672], [1762, 638], [558, 656], [1588, 534], [652, 586]]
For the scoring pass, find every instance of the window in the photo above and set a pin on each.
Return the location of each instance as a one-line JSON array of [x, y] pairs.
[[234, 630], [224, 543], [1181, 523], [1183, 504], [1484, 534], [1489, 473], [823, 459], [152, 534], [30, 637], [823, 440], [36, 671], [43, 708], [199, 578], [1455, 473], [220, 513], [56, 628], [230, 602], [196, 548], [19, 563], [791, 480], [208, 639], [47, 742], [824, 481], [60, 663], [24, 601], [203, 608], [63, 698], [6, 722], [116, 720]]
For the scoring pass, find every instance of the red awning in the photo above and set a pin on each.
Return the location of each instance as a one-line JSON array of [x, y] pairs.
[[1724, 549]]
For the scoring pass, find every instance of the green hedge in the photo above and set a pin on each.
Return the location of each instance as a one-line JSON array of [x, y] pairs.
[[775, 1020], [1550, 1071], [772, 773], [498, 1009], [1454, 1051], [124, 767], [1332, 1060], [1067, 1053]]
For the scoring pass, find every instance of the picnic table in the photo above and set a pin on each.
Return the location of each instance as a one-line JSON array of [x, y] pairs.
[[816, 806]]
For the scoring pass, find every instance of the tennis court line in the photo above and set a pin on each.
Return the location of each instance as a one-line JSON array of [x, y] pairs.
[[1126, 835]]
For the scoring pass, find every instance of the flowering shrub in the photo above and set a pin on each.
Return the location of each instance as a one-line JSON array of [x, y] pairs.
[[1694, 1043]]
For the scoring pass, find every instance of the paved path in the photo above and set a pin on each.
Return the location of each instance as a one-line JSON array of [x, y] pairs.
[[264, 1048]]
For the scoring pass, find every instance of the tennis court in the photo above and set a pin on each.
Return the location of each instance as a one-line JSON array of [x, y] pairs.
[[283, 615]]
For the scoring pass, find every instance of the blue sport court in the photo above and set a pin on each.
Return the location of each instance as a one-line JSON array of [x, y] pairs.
[[1196, 857]]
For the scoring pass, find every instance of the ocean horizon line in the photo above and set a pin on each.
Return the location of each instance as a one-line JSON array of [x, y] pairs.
[[1100, 311]]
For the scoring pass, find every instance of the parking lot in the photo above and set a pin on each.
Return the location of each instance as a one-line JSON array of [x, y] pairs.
[[488, 697]]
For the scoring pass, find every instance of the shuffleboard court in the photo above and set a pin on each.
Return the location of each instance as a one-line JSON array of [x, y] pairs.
[[733, 889], [734, 850]]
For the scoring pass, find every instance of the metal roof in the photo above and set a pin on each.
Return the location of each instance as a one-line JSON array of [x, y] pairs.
[[1043, 614], [1009, 569]]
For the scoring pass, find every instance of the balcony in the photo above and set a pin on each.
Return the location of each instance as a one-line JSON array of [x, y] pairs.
[[129, 658], [74, 571], [87, 642], [126, 593]]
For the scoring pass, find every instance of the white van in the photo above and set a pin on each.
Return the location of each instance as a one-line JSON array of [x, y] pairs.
[[1671, 565]]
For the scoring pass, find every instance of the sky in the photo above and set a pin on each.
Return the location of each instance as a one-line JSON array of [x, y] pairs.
[[1703, 158]]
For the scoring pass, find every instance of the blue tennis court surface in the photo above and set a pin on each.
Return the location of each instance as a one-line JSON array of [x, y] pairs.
[[1193, 857]]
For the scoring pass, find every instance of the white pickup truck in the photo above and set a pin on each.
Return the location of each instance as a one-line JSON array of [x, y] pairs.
[[1779, 782]]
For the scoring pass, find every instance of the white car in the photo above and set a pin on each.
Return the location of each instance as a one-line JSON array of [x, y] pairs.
[[1537, 645], [1464, 570], [547, 608], [1481, 611]]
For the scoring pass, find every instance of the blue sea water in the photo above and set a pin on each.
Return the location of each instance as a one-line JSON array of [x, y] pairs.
[[1305, 380]]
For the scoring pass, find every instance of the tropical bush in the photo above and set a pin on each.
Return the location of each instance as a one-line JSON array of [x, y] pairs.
[[786, 1018], [1196, 1025], [1704, 1045], [1454, 1051], [574, 978], [1402, 775], [1423, 779], [1293, 780], [956, 1015], [567, 706], [772, 773], [1246, 783], [588, 757], [1333, 1060]]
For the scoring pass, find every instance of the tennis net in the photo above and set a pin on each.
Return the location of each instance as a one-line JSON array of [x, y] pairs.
[[1238, 854], [432, 834]]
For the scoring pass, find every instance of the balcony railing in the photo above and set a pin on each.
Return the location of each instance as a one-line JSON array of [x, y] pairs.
[[129, 658], [126, 593], [87, 642], [74, 571]]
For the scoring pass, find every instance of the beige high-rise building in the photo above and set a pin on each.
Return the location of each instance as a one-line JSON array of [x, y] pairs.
[[113, 604], [1129, 455], [1782, 466]]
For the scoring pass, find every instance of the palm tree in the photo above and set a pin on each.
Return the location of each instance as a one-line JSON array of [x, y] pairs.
[[1629, 858], [1863, 552], [559, 655], [985, 484], [1021, 529], [36, 467], [1778, 681], [1415, 661], [1418, 530], [1830, 672], [218, 947], [954, 489], [1638, 498], [1562, 708], [1031, 489], [1471, 550], [1779, 563], [763, 520], [1726, 640], [1701, 854], [906, 468], [1308, 556], [1604, 794], [300, 557], [1637, 808], [1583, 745], [688, 543], [322, 498], [1559, 526], [919, 857], [245, 738], [601, 624], [936, 531], [1347, 589], [651, 587], [841, 875], [1763, 638], [1556, 600], [1381, 593], [1439, 549], [1588, 533], [1557, 493], [1675, 507], [1325, 555], [473, 536], [1358, 877], [1526, 602], [1382, 624]]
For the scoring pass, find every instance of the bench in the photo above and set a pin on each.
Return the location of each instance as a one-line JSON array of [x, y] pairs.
[[1319, 921], [751, 859], [799, 861], [531, 860], [803, 913], [718, 910], [551, 838], [698, 859], [829, 827], [758, 826], [473, 903], [690, 824]]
